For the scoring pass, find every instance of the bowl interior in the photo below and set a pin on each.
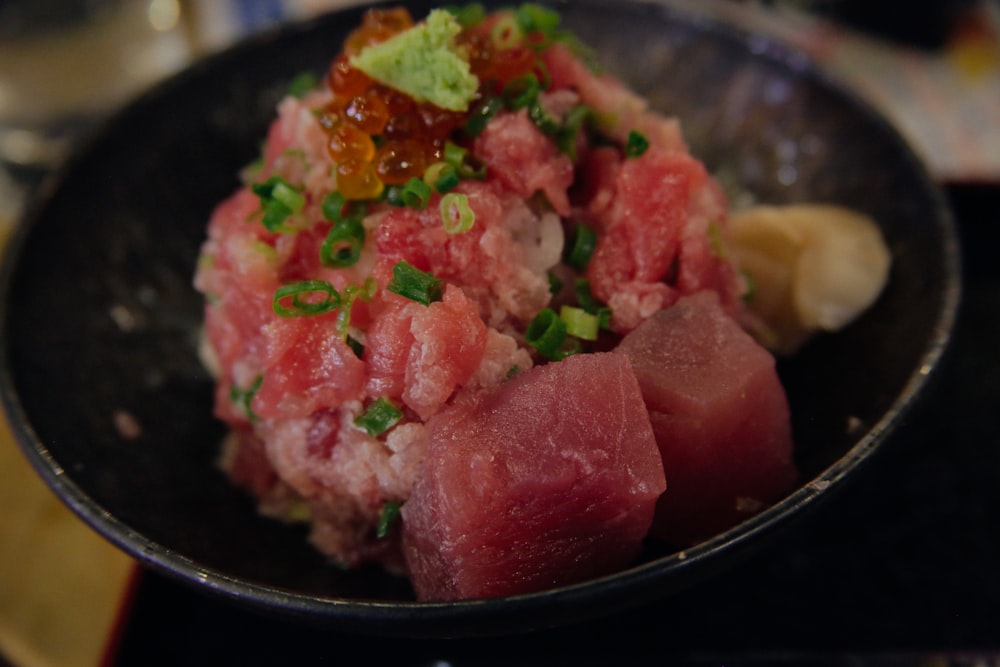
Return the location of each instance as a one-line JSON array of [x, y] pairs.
[[100, 321]]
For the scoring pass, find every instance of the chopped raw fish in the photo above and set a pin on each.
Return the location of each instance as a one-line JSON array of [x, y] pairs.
[[483, 314], [719, 414], [655, 213], [547, 479]]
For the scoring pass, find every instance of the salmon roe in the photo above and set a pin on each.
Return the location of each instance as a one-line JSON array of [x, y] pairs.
[[381, 137], [399, 161], [377, 26]]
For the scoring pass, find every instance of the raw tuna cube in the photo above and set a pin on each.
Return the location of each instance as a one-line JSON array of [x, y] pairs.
[[547, 479], [720, 417]]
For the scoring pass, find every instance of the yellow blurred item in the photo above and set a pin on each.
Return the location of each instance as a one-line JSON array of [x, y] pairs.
[[61, 585]]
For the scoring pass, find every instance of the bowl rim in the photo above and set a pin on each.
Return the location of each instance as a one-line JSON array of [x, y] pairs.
[[645, 581]]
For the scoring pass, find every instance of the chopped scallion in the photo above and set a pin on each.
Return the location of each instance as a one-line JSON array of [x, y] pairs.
[[586, 299], [555, 284], [416, 194], [288, 196], [393, 194], [636, 145], [546, 333], [380, 416], [532, 17], [463, 161], [441, 176], [522, 91], [469, 15], [388, 516], [244, 397], [581, 247], [343, 244], [305, 298], [506, 33], [414, 284], [574, 121], [302, 84], [278, 202], [454, 154], [348, 296], [333, 206], [579, 323], [480, 116], [541, 118], [336, 207], [456, 214]]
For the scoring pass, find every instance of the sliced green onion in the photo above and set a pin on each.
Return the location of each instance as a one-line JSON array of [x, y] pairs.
[[343, 244], [278, 202], [464, 162], [506, 33], [531, 17], [380, 416], [299, 299], [441, 176], [393, 194], [480, 116], [410, 282], [555, 284], [586, 299], [584, 296], [336, 207], [542, 120], [570, 347], [581, 247], [388, 516], [468, 16], [546, 333], [522, 91], [416, 194], [454, 154], [456, 214], [567, 135], [288, 195], [333, 206], [244, 397], [302, 84], [275, 216], [636, 145], [512, 371], [579, 323], [348, 296]]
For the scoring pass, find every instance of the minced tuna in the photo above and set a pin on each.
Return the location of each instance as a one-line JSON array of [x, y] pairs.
[[405, 295]]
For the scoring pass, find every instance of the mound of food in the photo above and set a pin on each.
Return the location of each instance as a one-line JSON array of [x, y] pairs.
[[475, 309]]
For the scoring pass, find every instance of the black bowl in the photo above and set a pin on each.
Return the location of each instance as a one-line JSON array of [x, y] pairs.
[[102, 384]]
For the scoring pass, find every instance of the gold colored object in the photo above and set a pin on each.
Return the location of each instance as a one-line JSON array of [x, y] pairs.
[[61, 585]]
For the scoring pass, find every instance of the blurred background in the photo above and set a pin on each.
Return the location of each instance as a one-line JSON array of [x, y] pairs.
[[933, 68]]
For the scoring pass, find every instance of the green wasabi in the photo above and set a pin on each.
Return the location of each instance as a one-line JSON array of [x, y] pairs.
[[423, 63]]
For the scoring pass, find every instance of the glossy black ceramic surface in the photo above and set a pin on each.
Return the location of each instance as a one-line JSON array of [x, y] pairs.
[[100, 322]]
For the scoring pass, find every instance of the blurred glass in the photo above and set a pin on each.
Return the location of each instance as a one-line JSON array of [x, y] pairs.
[[64, 64]]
